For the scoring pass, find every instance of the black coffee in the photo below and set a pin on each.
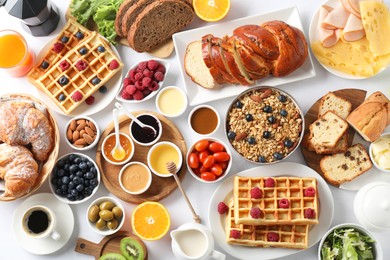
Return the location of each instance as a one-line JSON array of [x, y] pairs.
[[38, 221]]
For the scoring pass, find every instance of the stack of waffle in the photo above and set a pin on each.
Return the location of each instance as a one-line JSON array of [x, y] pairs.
[[77, 64], [272, 212]]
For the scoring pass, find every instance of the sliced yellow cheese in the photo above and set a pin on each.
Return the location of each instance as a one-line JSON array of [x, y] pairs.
[[376, 21]]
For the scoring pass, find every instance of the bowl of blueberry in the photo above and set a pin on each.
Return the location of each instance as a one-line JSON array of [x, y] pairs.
[[75, 178], [264, 125]]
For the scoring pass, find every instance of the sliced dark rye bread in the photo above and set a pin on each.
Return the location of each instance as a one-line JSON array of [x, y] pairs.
[[120, 14], [157, 22]]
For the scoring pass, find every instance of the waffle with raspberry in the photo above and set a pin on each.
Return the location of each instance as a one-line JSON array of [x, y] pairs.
[[285, 236], [81, 72], [71, 35], [275, 200]]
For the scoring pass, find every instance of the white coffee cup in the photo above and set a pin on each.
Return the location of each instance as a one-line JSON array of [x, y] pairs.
[[40, 222]]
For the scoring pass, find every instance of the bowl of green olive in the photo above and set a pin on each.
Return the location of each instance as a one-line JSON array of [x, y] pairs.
[[105, 215]]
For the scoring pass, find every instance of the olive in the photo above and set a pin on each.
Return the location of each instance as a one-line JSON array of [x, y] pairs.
[[113, 224], [93, 213], [100, 224], [108, 205], [117, 212], [106, 215]]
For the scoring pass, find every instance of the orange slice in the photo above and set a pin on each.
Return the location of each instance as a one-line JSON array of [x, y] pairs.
[[211, 10], [150, 220]]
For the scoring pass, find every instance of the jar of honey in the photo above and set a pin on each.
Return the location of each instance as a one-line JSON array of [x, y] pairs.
[[109, 144]]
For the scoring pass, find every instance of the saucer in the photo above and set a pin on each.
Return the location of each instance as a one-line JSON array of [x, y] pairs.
[[65, 224]]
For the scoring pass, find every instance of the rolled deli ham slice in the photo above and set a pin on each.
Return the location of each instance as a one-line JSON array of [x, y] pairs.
[[354, 29], [328, 37], [331, 5], [337, 18], [347, 5]]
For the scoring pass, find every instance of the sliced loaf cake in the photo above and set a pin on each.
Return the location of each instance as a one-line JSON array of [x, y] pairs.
[[340, 147], [341, 106]]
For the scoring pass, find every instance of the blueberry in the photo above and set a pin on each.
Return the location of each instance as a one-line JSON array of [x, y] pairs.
[[65, 180], [59, 183], [278, 156], [86, 183], [63, 80], [95, 80], [58, 191], [249, 117], [94, 182], [103, 89], [93, 170], [71, 185], [267, 109], [101, 49], [83, 166], [79, 35], [72, 157], [66, 167], [89, 164], [271, 119], [64, 187], [251, 140], [87, 192], [61, 163], [239, 104], [61, 173], [84, 159], [231, 135], [77, 160], [76, 180], [44, 65], [74, 192], [61, 97], [283, 113], [72, 176], [64, 39], [79, 174], [73, 168], [80, 197], [262, 159], [70, 197], [266, 134], [288, 143], [282, 98], [89, 175], [80, 187], [83, 51]]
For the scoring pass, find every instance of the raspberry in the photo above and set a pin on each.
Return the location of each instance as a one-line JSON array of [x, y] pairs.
[[57, 47], [131, 74], [159, 76], [77, 96], [222, 208], [269, 183], [272, 237], [131, 89], [64, 65], [138, 85], [161, 69], [114, 64], [235, 234], [256, 193], [148, 73], [284, 204], [153, 65], [81, 65], [310, 192], [126, 95], [256, 213], [138, 95], [146, 81], [154, 86], [138, 76], [142, 65], [309, 213], [146, 92], [90, 100], [126, 82]]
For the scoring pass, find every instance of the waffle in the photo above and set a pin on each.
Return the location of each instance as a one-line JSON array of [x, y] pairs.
[[81, 83], [291, 189], [286, 236], [51, 57]]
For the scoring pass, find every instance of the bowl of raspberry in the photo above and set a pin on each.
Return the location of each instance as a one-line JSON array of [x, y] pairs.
[[142, 81]]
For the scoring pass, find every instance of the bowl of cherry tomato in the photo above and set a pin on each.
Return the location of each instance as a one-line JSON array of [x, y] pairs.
[[209, 160]]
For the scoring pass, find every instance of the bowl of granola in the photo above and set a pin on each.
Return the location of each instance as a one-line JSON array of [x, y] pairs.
[[264, 125]]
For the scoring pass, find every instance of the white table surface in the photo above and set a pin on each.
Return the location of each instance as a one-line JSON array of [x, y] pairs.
[[306, 93]]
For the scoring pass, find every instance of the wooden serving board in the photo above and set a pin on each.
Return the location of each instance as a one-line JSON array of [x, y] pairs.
[[109, 244], [356, 97], [160, 187]]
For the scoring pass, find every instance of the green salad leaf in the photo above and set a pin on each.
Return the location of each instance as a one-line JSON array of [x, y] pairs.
[[347, 244]]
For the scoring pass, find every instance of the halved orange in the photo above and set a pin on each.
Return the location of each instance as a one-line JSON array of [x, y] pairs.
[[211, 10], [150, 220]]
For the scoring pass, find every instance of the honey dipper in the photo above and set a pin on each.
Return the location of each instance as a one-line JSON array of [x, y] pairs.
[[171, 167]]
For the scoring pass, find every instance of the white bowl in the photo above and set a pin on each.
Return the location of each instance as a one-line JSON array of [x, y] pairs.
[[65, 199], [153, 93], [106, 231], [161, 95], [154, 147], [384, 135], [138, 141], [199, 107], [224, 174], [142, 190], [87, 147], [378, 254], [121, 162]]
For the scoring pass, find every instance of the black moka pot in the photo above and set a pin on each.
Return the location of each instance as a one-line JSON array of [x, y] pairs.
[[39, 17]]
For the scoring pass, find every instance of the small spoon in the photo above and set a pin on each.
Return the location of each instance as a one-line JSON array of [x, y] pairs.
[[171, 167], [142, 125], [118, 153]]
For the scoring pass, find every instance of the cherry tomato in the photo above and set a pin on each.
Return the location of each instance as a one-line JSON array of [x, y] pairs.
[[216, 169], [203, 155], [201, 145], [221, 156], [209, 161], [193, 161], [203, 169], [197, 171], [216, 147], [208, 176], [224, 165]]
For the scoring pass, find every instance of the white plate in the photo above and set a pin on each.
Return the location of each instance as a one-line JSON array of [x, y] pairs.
[[65, 225], [198, 95], [225, 192], [101, 100]]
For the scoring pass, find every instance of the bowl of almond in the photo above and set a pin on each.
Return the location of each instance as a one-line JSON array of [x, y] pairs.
[[82, 133]]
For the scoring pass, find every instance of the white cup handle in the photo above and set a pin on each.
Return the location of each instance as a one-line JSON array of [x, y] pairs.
[[55, 235], [217, 255]]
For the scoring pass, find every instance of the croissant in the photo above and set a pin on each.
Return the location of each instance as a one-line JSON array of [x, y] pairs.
[[22, 124], [18, 169]]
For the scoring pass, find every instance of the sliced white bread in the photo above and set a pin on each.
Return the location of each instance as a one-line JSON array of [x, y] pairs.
[[341, 106], [195, 66], [343, 167], [327, 130]]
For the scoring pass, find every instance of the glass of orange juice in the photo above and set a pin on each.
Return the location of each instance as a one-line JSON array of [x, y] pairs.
[[15, 56]]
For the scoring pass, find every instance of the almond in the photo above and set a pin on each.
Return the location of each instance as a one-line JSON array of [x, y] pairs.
[[82, 132], [69, 134], [92, 126], [80, 141], [75, 136], [256, 98], [89, 131], [88, 139], [81, 126], [240, 136], [81, 121], [73, 125], [266, 93]]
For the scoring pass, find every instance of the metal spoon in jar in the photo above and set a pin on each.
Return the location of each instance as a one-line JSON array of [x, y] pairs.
[[142, 125], [118, 153]]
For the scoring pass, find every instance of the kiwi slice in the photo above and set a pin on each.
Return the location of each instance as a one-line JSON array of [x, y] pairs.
[[112, 256], [132, 249]]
